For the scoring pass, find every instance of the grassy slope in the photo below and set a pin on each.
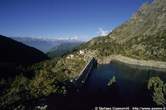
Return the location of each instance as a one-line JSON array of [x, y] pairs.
[[141, 37]]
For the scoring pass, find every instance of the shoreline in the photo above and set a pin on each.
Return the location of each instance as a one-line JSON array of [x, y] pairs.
[[142, 63]]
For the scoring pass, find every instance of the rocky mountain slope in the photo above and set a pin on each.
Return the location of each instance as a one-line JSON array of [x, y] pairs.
[[148, 20], [143, 36]]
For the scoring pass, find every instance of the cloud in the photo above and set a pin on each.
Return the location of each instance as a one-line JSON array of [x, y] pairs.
[[74, 38], [102, 32], [68, 38]]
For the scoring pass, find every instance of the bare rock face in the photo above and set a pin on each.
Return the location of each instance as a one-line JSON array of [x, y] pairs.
[[148, 20]]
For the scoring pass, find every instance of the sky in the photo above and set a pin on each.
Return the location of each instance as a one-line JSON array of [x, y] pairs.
[[82, 19]]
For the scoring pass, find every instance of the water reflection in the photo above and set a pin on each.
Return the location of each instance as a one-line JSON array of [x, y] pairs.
[[130, 88]]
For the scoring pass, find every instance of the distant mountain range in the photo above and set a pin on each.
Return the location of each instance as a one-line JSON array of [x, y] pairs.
[[43, 45], [63, 48]]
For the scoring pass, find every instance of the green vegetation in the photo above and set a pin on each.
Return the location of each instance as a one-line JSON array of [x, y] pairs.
[[48, 77], [25, 79], [152, 47], [158, 88], [111, 81], [17, 92]]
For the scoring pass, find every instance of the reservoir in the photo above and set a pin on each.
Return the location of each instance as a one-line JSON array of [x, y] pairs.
[[130, 88]]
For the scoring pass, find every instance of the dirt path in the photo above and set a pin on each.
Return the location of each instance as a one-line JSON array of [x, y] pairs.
[[148, 63]]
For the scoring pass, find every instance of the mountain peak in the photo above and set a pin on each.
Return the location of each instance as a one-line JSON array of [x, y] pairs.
[[143, 36], [148, 20]]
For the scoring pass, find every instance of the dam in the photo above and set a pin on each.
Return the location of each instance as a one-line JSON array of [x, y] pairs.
[[130, 88]]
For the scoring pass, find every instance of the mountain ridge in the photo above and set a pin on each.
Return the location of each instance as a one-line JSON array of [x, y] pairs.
[[9, 45], [16, 55], [146, 21], [143, 36], [63, 49], [43, 44]]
